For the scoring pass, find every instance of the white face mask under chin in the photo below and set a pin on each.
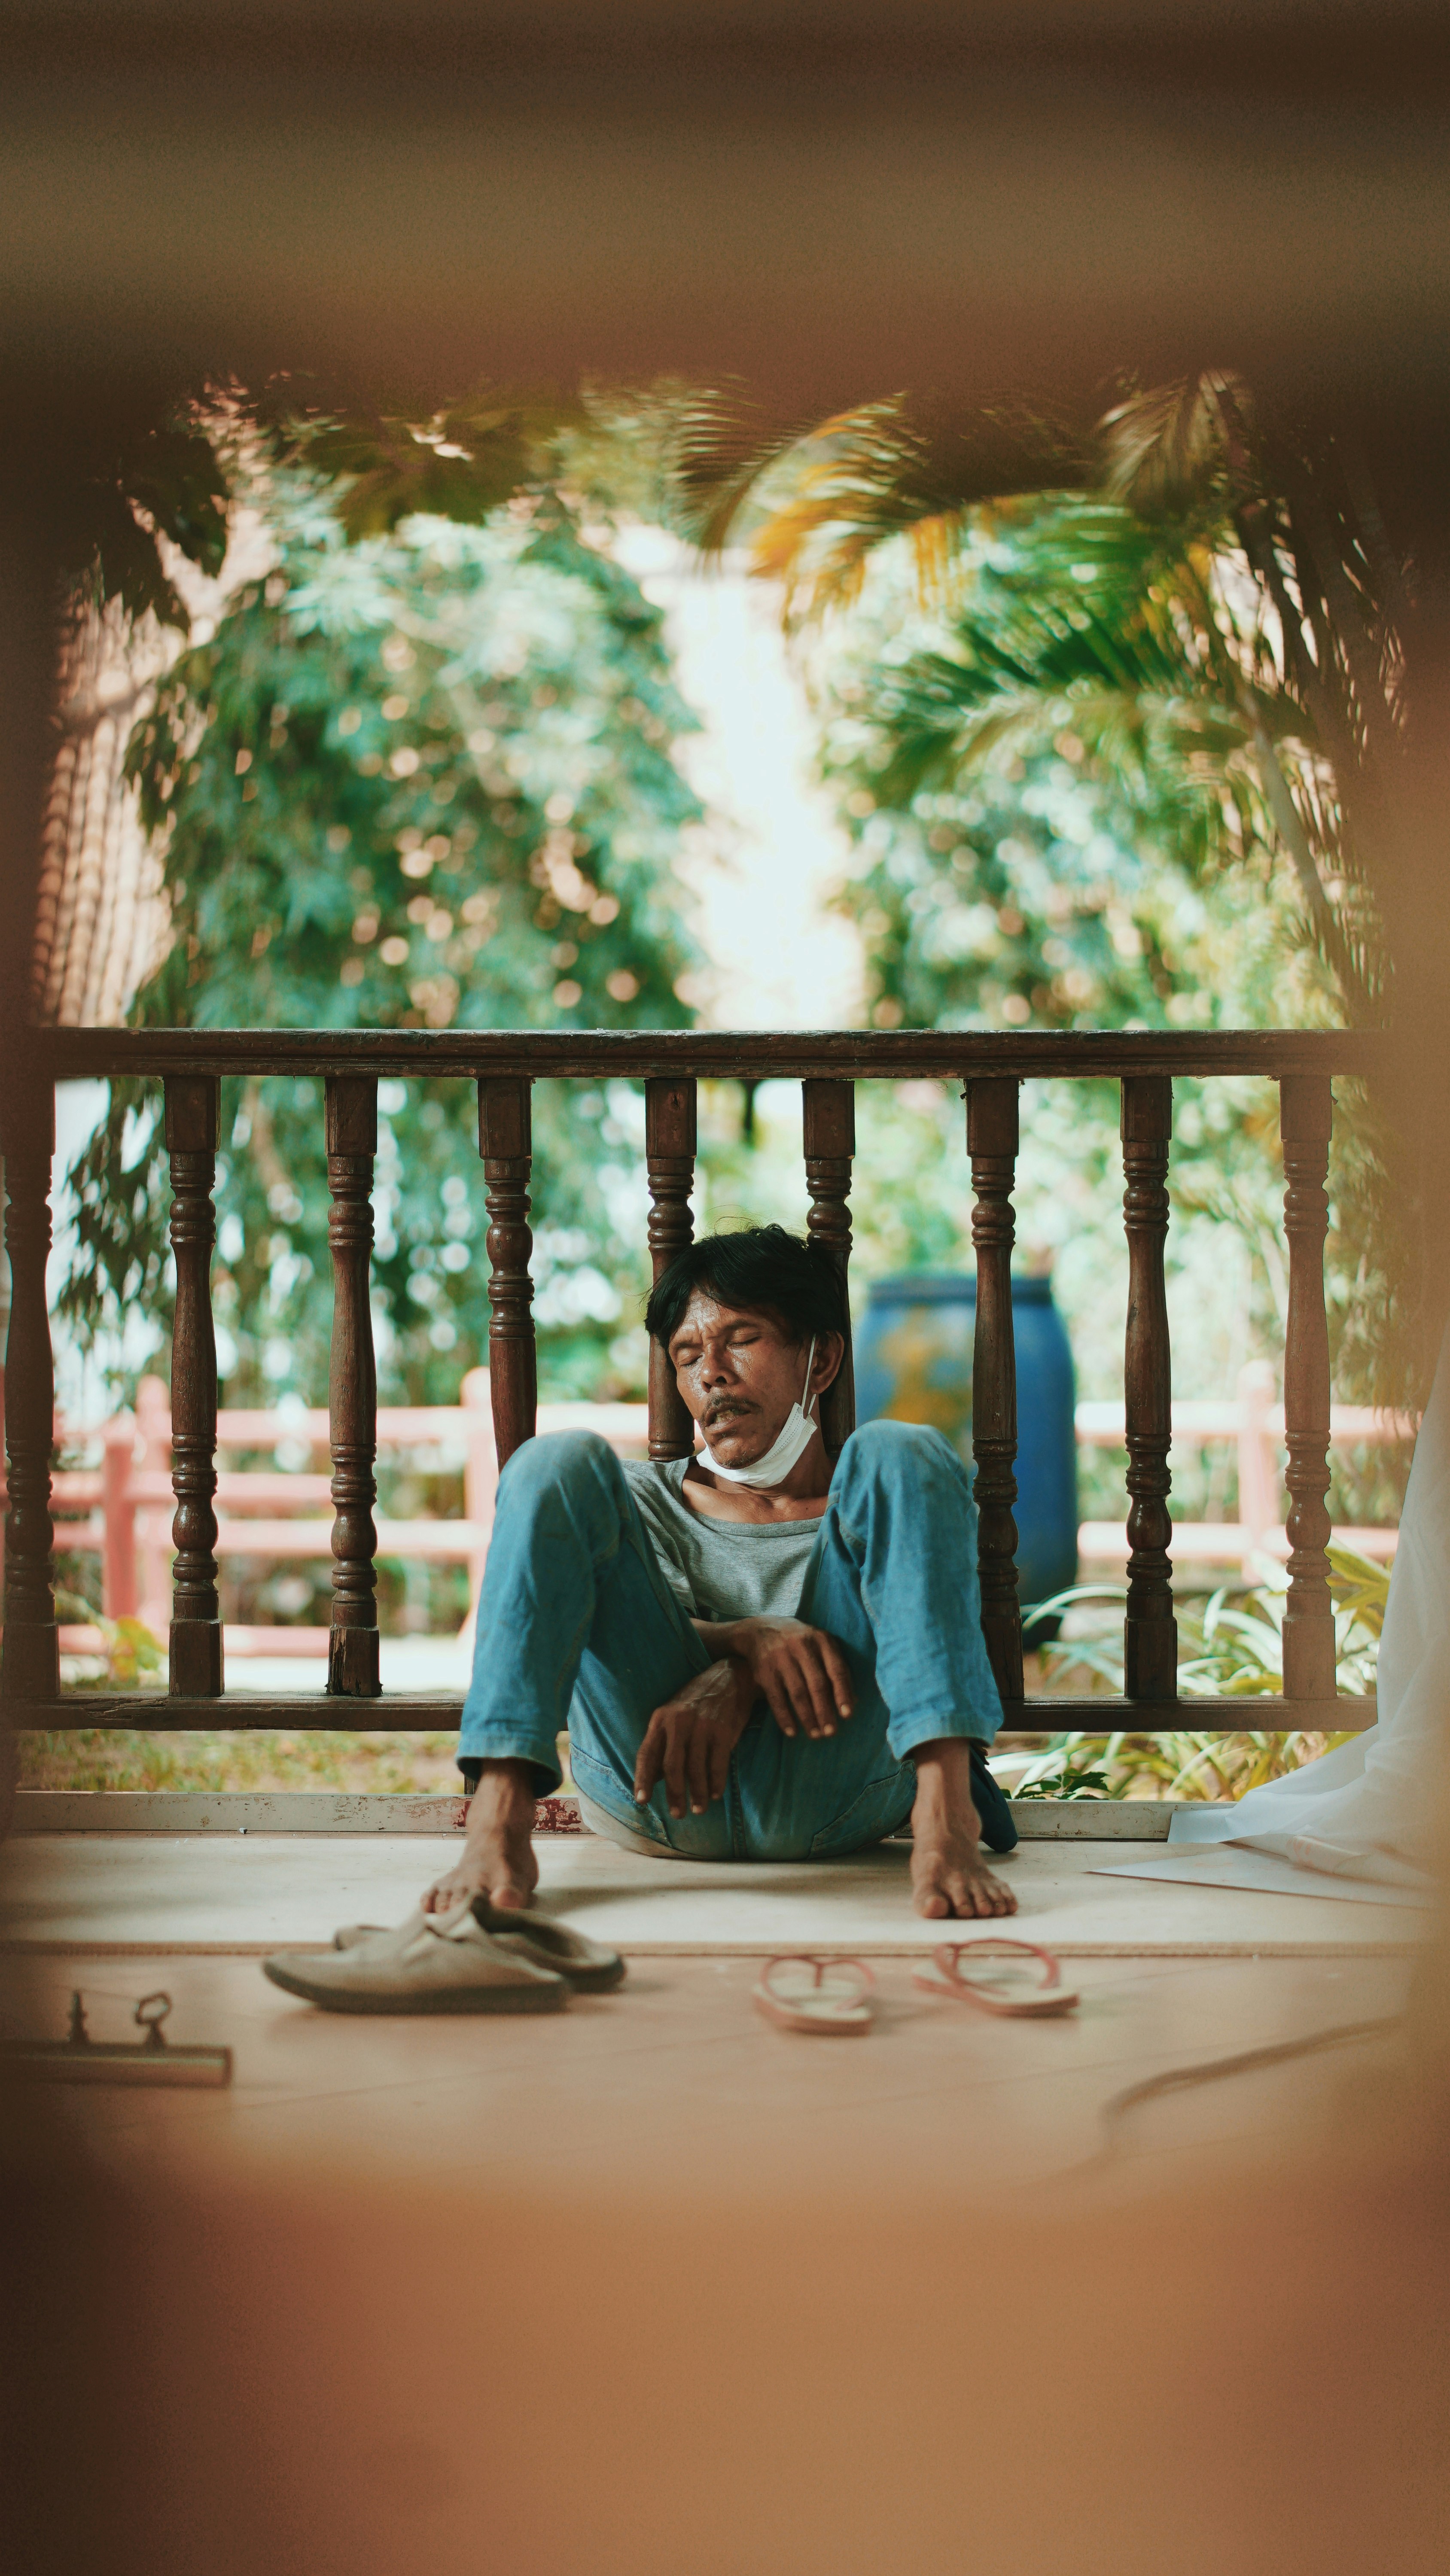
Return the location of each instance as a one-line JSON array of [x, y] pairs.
[[788, 1447]]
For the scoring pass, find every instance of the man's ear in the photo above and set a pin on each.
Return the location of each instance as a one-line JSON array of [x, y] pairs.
[[830, 1352]]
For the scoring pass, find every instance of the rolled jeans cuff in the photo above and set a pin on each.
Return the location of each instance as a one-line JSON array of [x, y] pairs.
[[907, 1735], [496, 1744]]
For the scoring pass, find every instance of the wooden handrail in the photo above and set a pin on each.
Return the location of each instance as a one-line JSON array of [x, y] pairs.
[[721, 1055], [989, 1064]]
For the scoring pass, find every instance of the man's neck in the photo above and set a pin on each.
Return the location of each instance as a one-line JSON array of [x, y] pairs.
[[800, 1496]]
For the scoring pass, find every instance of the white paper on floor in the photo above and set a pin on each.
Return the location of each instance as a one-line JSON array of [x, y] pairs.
[[1259, 1873]]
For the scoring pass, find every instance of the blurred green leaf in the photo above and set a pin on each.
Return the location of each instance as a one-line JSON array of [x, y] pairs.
[[427, 779]]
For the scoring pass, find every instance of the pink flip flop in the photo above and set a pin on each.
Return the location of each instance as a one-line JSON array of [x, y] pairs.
[[816, 1994], [1048, 1998]]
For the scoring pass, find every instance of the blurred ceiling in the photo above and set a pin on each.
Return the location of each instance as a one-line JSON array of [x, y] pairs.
[[821, 197]]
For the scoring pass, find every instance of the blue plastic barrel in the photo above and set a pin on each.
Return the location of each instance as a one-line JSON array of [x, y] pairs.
[[914, 1364]]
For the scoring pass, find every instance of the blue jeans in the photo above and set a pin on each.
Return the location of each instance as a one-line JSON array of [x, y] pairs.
[[577, 1624]]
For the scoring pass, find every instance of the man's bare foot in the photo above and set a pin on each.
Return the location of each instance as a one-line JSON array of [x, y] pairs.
[[497, 1860], [948, 1874]]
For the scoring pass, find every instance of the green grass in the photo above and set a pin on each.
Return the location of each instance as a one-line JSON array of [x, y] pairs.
[[114, 1758]]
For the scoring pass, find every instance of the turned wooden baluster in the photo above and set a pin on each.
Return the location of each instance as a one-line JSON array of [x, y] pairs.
[[505, 1142], [1306, 1117], [352, 1394], [32, 1643], [669, 1132], [992, 1145], [828, 1117], [1150, 1632], [196, 1626]]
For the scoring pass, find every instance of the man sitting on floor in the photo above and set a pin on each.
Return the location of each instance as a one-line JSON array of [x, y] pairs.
[[761, 1653]]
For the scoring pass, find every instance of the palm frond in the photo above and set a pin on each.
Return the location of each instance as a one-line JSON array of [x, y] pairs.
[[1162, 450], [722, 447], [1360, 1588], [829, 494], [859, 479]]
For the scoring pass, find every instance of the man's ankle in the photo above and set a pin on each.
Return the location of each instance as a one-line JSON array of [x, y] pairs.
[[944, 1772], [504, 1792]]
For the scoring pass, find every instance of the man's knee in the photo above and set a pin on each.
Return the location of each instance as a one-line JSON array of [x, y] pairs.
[[561, 1459], [899, 1453]]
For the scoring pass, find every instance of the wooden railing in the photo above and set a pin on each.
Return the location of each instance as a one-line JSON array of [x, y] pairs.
[[504, 1064]]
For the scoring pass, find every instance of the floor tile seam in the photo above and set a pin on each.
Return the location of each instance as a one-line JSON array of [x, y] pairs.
[[1077, 2079], [1260, 2134], [262, 2094], [84, 1948], [452, 2081], [243, 2097], [444, 2082], [963, 2040]]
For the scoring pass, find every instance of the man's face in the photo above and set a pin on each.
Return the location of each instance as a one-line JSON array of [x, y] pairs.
[[740, 1373]]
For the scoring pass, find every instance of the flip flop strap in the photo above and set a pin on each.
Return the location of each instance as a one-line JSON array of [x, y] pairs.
[[809, 1959], [950, 1952]]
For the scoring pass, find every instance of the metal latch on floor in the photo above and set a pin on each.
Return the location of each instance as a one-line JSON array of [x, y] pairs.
[[79, 2059]]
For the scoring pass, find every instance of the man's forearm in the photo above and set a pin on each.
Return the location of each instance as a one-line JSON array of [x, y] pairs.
[[721, 1639]]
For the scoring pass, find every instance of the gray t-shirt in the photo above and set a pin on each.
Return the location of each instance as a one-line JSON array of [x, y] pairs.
[[720, 1569]]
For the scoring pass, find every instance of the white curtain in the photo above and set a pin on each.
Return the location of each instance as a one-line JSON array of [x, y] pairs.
[[1371, 1809]]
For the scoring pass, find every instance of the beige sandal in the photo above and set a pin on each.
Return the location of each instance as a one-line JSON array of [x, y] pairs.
[[588, 1966], [816, 1994], [1049, 1998], [443, 1963]]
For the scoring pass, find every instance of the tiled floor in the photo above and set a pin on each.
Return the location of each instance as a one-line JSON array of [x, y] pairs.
[[259, 1892]]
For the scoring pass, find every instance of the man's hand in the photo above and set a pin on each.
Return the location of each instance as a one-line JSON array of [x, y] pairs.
[[802, 1672], [689, 1741]]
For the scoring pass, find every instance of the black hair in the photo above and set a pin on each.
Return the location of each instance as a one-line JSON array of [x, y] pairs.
[[762, 1269]]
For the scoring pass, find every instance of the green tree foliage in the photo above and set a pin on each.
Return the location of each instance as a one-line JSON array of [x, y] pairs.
[[172, 484], [1138, 761], [1058, 821], [1207, 583], [421, 779]]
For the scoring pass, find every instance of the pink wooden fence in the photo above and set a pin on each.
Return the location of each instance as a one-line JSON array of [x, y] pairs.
[[122, 1507]]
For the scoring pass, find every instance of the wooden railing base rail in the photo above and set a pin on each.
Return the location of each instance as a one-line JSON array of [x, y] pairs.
[[504, 1064], [429, 1712]]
